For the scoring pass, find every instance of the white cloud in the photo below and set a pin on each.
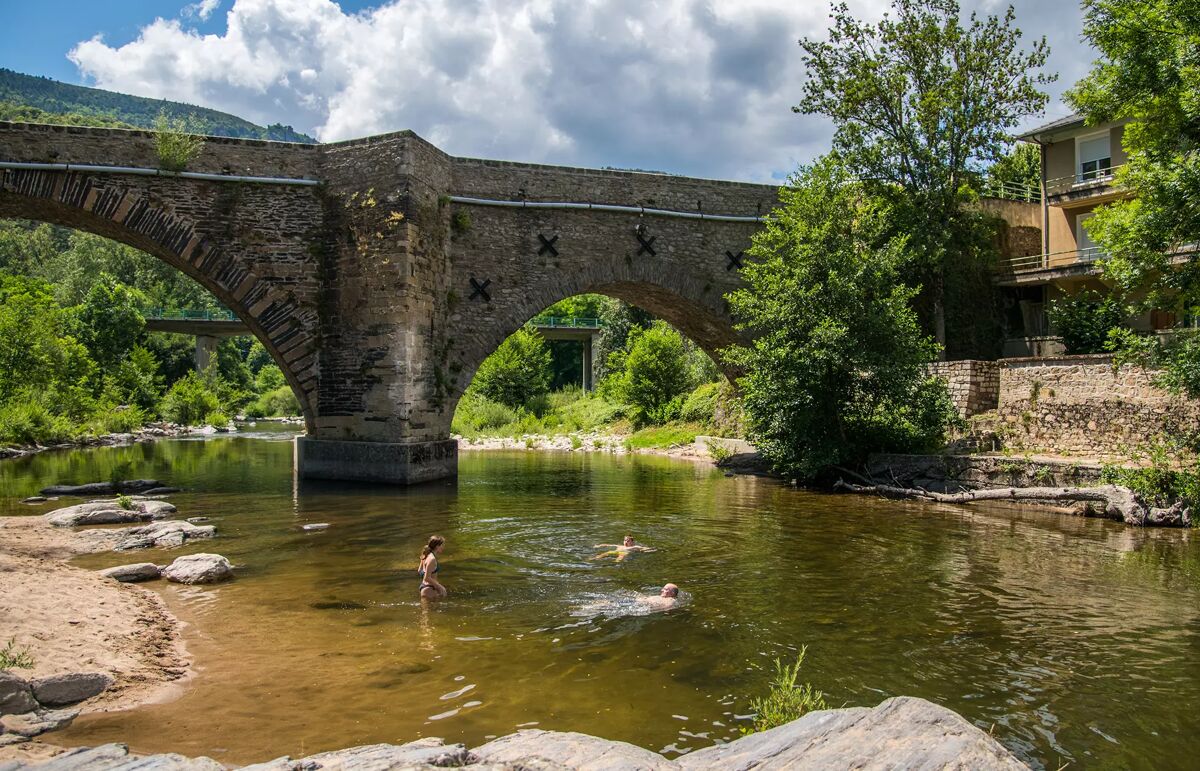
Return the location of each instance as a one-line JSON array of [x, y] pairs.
[[202, 9], [692, 86]]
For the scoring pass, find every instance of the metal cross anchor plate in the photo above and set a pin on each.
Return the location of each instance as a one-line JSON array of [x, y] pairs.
[[647, 244], [480, 289], [735, 260], [547, 245]]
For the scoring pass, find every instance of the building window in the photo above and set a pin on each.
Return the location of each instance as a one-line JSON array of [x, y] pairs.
[[1095, 157]]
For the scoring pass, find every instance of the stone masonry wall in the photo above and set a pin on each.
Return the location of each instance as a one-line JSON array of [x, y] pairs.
[[974, 385], [1083, 405]]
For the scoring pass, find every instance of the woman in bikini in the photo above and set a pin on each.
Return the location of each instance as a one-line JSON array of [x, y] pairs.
[[431, 587]]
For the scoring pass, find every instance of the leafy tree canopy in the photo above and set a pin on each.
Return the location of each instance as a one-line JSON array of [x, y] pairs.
[[519, 370], [837, 366]]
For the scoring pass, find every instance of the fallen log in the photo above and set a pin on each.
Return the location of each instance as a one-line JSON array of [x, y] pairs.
[[1117, 502]]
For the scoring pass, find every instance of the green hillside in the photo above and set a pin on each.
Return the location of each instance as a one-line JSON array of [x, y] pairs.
[[26, 97]]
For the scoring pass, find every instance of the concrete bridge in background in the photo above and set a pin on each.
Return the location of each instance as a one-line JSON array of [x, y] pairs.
[[380, 272]]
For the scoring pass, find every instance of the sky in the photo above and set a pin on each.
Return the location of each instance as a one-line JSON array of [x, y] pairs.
[[697, 87]]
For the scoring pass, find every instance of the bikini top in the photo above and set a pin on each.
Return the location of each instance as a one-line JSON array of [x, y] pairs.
[[421, 570]]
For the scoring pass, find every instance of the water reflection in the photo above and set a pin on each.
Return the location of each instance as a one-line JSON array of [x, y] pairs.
[[1074, 640]]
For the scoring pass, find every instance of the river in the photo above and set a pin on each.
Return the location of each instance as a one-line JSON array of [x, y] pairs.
[[1073, 641]]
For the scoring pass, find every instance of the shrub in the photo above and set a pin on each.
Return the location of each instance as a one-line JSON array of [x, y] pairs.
[[701, 404], [517, 372], [1160, 482], [113, 420], [478, 414], [28, 421], [787, 700], [280, 402], [189, 401], [12, 657], [216, 419], [1085, 321], [656, 374], [125, 502], [175, 145]]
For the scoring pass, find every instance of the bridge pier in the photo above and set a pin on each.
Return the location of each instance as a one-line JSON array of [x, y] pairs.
[[206, 350], [401, 463]]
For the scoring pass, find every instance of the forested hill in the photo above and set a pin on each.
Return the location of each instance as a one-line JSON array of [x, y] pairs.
[[112, 109]]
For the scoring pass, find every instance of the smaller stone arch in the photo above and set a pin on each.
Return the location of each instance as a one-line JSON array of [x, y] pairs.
[[202, 230]]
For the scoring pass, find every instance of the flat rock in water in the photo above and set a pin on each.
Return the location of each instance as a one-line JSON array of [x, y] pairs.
[[70, 688], [104, 488], [198, 569], [902, 732], [39, 722], [111, 757], [421, 754], [35, 499], [572, 750], [16, 696], [128, 574], [163, 535], [107, 513], [316, 526]]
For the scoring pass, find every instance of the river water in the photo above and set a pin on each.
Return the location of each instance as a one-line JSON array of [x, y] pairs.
[[1073, 641]]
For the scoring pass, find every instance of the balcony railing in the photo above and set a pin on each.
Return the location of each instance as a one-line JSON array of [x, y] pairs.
[[1083, 182], [1011, 191], [1051, 260]]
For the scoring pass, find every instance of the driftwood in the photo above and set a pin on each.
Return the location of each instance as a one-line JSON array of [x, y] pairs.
[[1115, 502]]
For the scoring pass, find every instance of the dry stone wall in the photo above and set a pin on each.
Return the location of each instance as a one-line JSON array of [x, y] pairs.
[[1084, 405], [974, 385]]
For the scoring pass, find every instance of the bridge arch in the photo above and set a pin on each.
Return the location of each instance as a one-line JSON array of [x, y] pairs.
[[194, 227]]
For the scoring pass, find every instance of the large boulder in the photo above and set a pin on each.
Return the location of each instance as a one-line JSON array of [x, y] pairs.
[[198, 569], [108, 513], [572, 750], [162, 535], [902, 732], [16, 697], [104, 488], [38, 722], [69, 688], [128, 574]]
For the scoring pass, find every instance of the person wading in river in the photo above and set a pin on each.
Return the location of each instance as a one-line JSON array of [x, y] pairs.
[[431, 587]]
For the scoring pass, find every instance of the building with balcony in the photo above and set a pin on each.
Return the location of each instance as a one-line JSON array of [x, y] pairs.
[[1078, 164]]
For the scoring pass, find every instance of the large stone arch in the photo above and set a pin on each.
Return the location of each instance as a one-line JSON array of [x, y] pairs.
[[213, 232]]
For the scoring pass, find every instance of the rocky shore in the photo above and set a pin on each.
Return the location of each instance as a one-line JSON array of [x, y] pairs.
[[901, 732], [148, 433]]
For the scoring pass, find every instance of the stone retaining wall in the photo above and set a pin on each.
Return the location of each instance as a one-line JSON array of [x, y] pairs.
[[974, 385], [1085, 405]]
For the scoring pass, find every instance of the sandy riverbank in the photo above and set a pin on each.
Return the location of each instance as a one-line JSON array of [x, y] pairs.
[[74, 620]]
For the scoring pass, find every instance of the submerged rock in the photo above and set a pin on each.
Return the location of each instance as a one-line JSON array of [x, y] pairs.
[[198, 569], [128, 574], [35, 499], [337, 605], [16, 695], [163, 535], [108, 513], [104, 488], [69, 688]]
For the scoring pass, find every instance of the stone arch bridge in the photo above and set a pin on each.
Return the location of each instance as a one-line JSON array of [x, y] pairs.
[[380, 272]]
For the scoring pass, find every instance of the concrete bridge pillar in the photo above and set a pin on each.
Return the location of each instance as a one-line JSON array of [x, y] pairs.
[[206, 351]]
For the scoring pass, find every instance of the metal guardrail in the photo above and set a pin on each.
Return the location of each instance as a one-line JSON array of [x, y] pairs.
[[1062, 259], [567, 322], [189, 314], [1092, 180]]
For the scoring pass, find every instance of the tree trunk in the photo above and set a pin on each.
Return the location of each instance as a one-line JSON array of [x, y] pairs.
[[1119, 503]]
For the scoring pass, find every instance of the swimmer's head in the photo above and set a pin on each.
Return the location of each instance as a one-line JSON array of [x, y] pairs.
[[670, 590], [628, 540]]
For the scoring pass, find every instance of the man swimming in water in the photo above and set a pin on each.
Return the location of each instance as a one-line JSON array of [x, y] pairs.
[[625, 603], [627, 547]]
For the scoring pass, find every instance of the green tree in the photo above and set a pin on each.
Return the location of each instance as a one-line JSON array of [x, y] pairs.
[[135, 380], [617, 320], [1149, 74], [656, 374], [1017, 174], [108, 321], [518, 371], [920, 105], [837, 366], [1086, 321], [38, 356], [189, 400]]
